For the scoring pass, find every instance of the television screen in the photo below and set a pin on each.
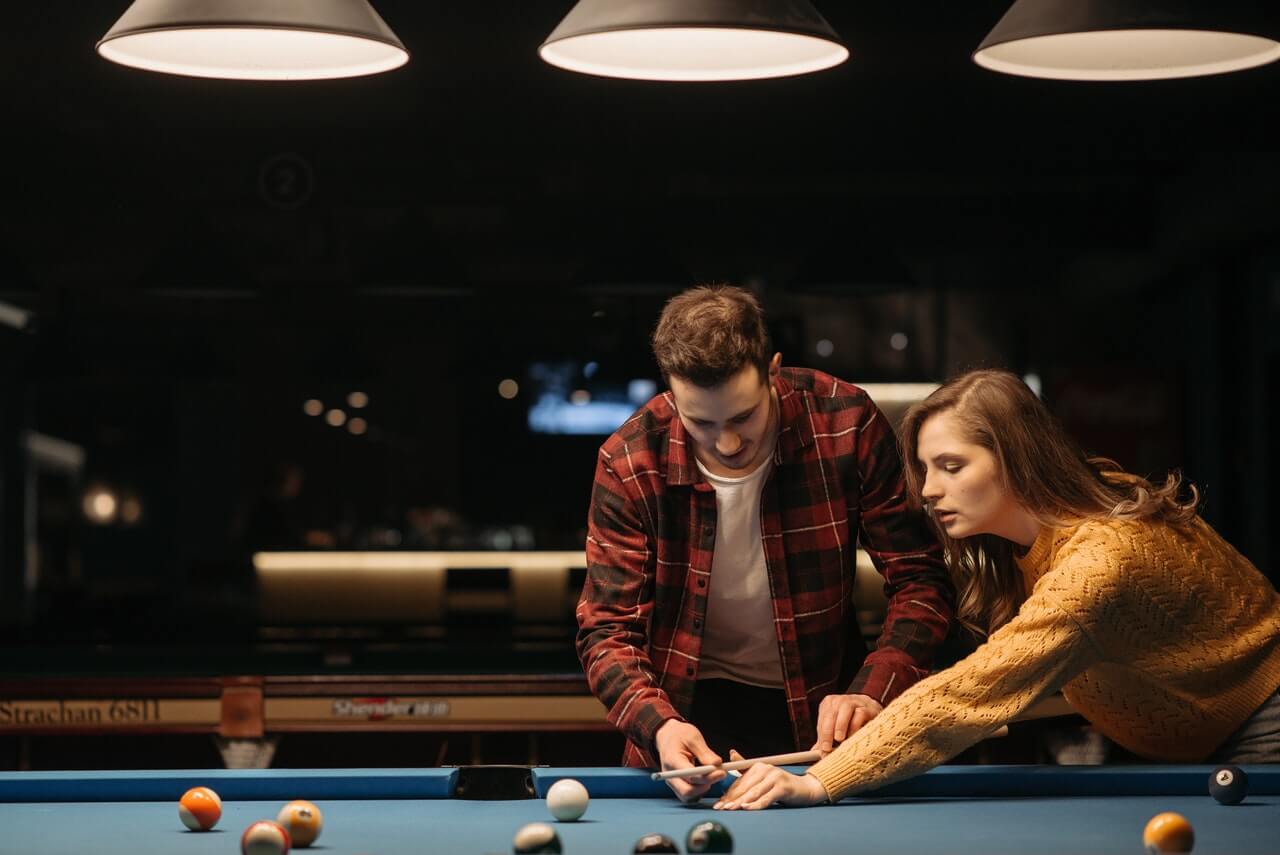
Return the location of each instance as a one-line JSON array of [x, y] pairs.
[[575, 398]]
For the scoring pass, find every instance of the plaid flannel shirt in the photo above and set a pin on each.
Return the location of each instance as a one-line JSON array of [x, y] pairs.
[[652, 528]]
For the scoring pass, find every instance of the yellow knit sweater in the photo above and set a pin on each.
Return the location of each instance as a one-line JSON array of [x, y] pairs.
[[1163, 636]]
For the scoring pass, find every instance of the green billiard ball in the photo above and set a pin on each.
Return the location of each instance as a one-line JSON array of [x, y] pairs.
[[536, 838], [655, 843], [709, 836]]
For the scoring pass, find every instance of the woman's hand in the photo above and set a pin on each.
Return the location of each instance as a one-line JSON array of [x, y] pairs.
[[763, 785]]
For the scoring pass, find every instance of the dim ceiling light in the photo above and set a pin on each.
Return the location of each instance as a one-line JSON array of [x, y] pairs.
[[689, 40], [254, 40], [1130, 39]]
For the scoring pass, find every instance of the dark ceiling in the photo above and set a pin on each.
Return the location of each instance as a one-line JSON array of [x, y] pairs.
[[479, 167]]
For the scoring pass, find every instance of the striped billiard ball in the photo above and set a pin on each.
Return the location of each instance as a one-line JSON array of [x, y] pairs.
[[265, 837], [199, 808]]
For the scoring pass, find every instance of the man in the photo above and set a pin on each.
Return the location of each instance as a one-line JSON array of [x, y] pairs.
[[716, 613]]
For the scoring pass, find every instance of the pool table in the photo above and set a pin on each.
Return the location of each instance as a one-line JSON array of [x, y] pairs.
[[952, 809]]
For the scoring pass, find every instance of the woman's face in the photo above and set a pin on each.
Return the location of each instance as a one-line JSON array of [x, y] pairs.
[[961, 481]]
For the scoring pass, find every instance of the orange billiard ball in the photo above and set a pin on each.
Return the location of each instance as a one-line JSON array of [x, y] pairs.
[[1167, 833], [199, 808], [302, 820]]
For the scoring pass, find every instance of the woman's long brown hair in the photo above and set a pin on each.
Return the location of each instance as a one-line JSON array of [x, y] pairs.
[[1044, 470]]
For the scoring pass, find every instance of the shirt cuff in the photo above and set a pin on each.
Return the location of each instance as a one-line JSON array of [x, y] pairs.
[[649, 720], [883, 682]]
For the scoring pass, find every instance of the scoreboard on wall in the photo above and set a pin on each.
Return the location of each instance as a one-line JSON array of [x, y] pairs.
[[254, 706]]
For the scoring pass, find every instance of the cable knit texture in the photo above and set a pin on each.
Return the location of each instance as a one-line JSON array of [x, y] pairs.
[[1163, 636]]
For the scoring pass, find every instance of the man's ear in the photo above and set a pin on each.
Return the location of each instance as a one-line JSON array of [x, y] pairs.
[[775, 365]]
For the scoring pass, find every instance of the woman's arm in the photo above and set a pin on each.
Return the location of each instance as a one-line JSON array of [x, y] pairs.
[[1026, 660]]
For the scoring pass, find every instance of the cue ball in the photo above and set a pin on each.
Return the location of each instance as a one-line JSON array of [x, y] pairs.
[[655, 843], [536, 837], [567, 799], [199, 808], [1168, 833], [264, 837], [302, 820], [709, 836], [1228, 785]]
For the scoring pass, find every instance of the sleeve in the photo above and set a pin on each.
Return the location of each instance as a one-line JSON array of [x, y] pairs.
[[1026, 660], [920, 593], [614, 610]]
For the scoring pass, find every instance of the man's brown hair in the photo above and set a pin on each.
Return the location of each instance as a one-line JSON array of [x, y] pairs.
[[708, 334]]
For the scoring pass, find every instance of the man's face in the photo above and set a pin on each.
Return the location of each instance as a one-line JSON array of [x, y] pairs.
[[731, 424]]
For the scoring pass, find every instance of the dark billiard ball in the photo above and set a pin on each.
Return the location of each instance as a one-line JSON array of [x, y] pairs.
[[1168, 833], [709, 836], [1228, 784], [536, 838], [655, 843]]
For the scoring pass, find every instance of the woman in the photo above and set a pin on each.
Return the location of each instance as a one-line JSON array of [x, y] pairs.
[[1081, 578]]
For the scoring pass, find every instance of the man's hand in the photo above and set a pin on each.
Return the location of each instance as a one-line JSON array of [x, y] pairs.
[[762, 785], [841, 716], [681, 746]]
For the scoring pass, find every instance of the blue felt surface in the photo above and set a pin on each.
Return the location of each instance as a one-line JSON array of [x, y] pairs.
[[231, 785], [452, 827], [966, 781], [601, 782]]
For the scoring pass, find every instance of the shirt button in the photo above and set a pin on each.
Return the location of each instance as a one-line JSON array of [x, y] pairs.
[[702, 583], [688, 672], [708, 531], [697, 624]]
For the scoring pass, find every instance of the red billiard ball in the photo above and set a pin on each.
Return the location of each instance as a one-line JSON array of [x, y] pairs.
[[265, 837], [1168, 833], [199, 808]]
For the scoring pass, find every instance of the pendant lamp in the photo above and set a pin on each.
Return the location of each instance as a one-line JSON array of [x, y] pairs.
[[254, 39], [1131, 39], [694, 40]]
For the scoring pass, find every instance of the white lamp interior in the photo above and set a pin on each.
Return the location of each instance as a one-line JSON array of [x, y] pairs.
[[1129, 54], [247, 53], [689, 53]]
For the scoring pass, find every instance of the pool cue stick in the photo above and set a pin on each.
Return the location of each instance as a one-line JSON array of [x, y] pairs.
[[1042, 710], [796, 759]]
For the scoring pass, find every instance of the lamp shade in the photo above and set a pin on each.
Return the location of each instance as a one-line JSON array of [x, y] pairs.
[[688, 40], [254, 39], [1131, 39]]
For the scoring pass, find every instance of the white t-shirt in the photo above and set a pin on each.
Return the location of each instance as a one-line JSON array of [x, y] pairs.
[[739, 641]]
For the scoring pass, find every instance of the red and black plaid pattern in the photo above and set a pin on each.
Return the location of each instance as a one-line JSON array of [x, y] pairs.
[[650, 535]]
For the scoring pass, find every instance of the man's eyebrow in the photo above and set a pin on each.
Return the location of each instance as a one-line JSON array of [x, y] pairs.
[[748, 411]]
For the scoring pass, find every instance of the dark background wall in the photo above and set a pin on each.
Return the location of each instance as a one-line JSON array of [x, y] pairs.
[[203, 256]]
